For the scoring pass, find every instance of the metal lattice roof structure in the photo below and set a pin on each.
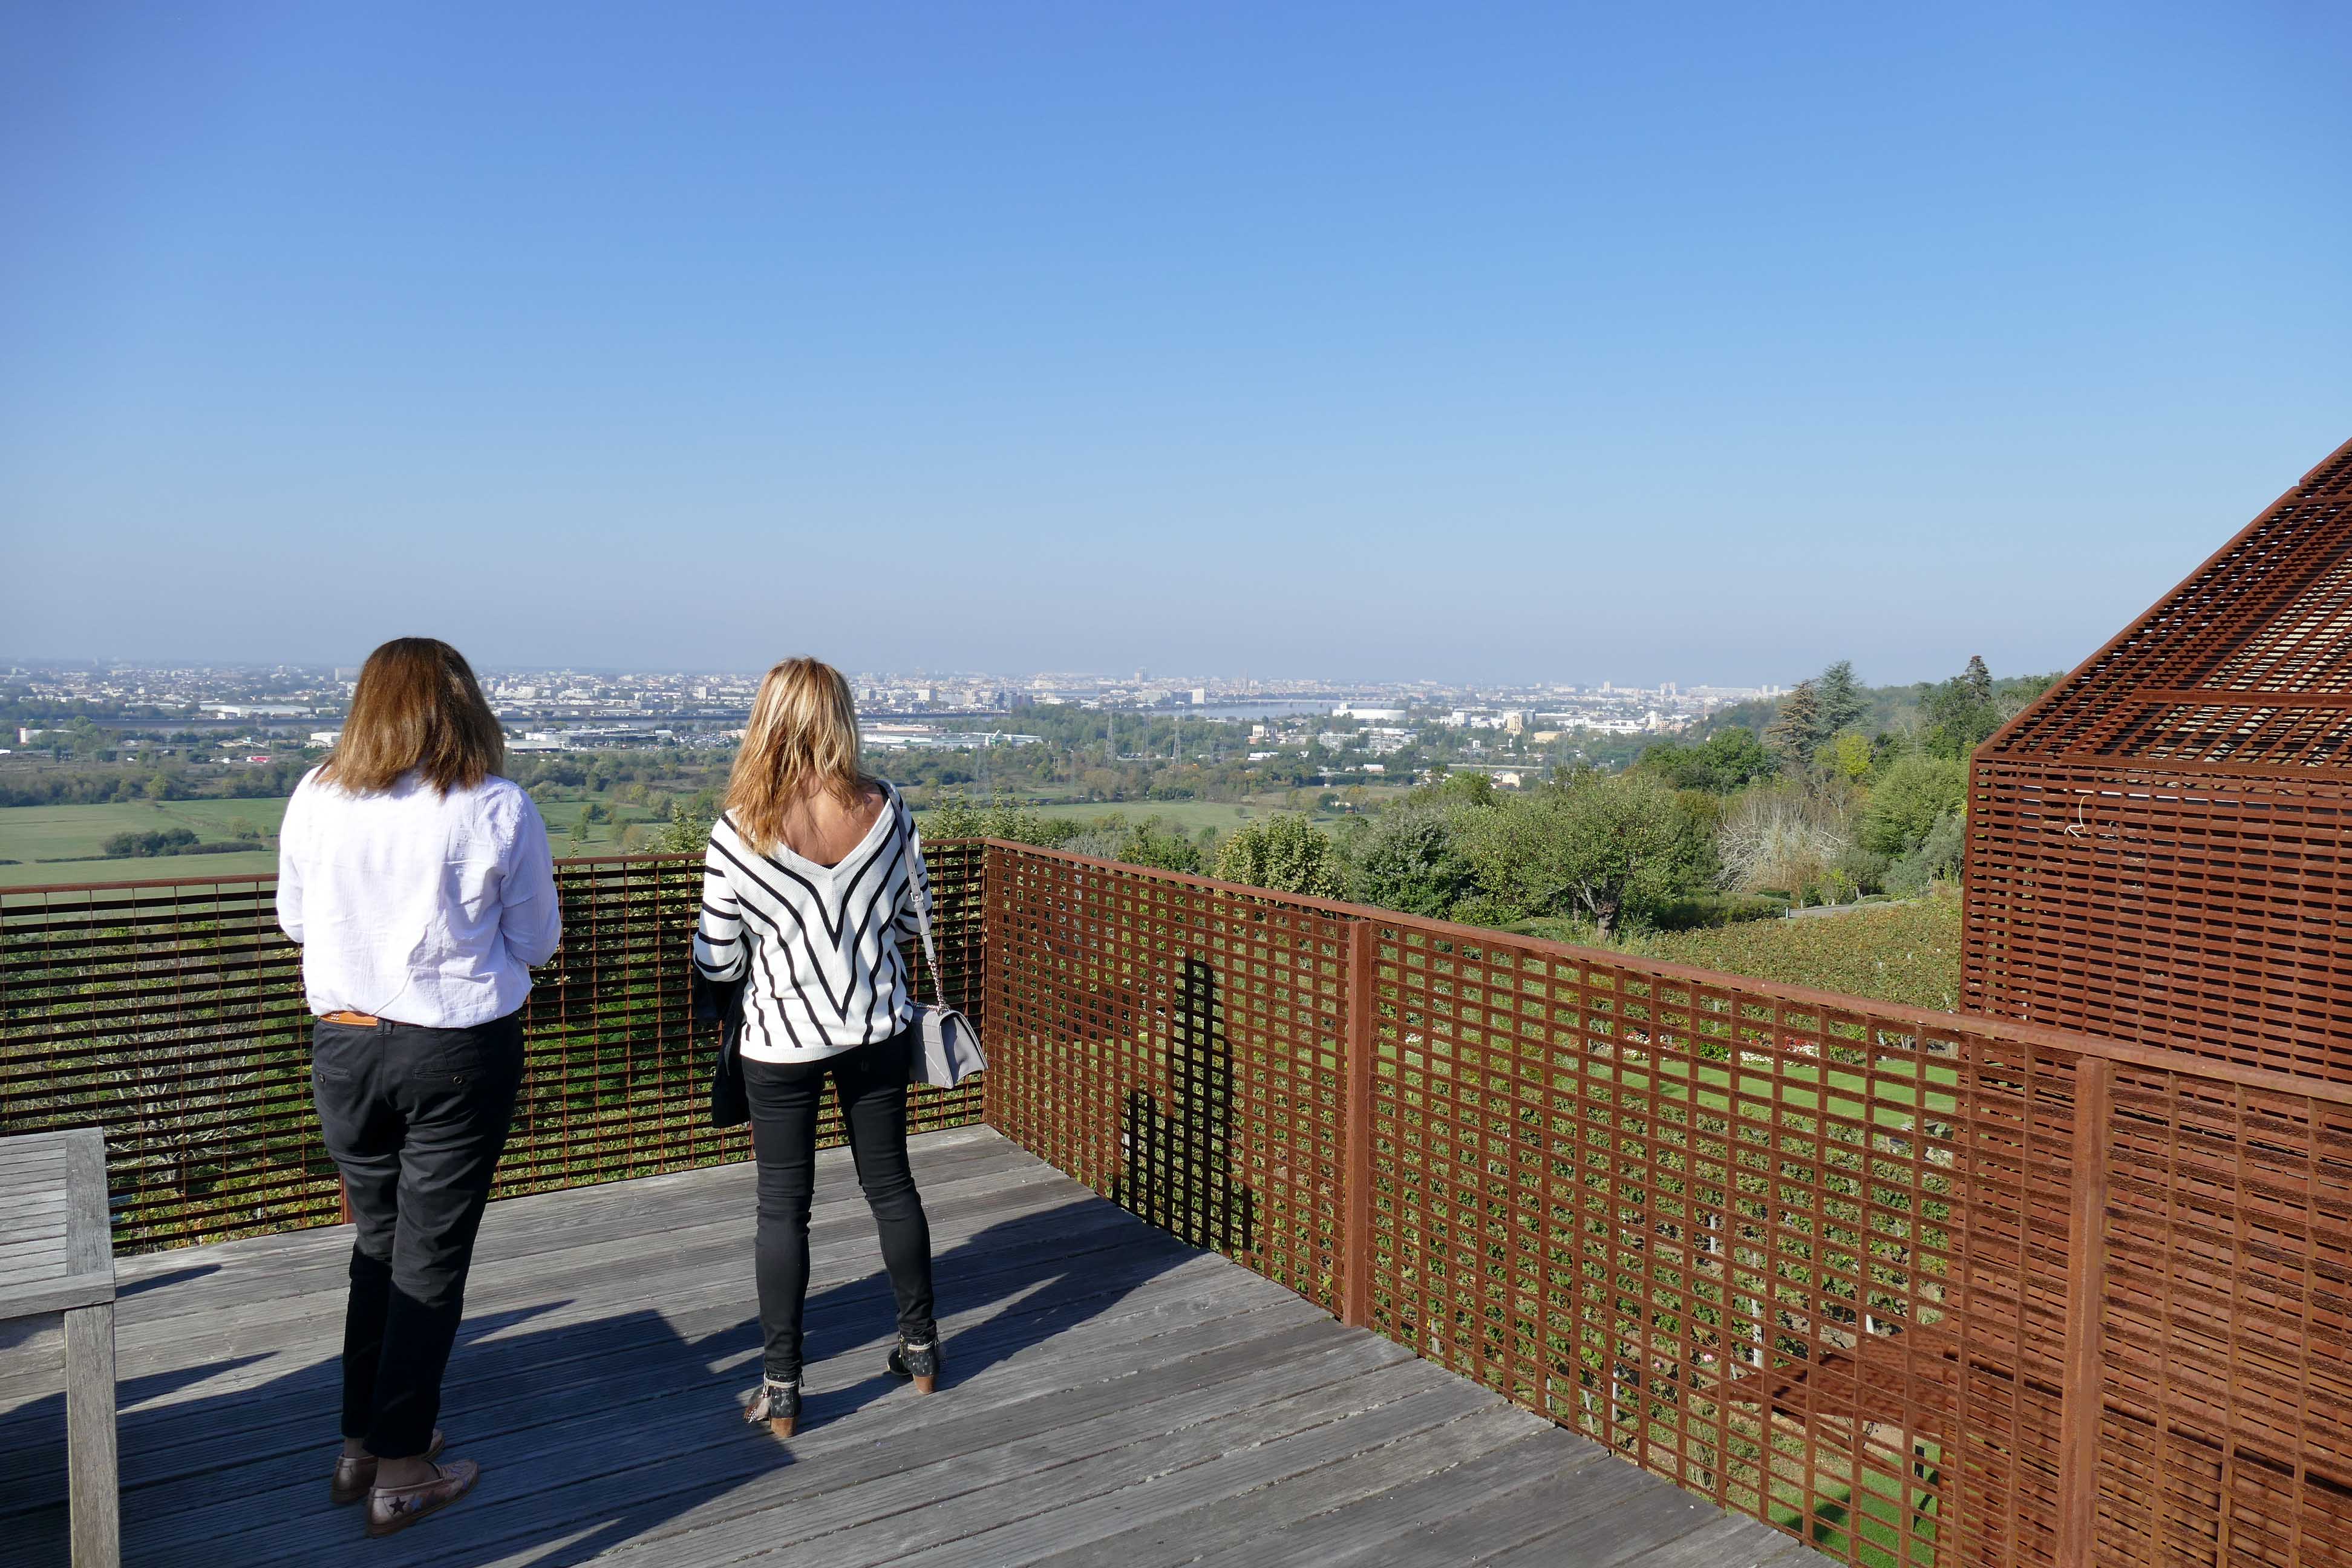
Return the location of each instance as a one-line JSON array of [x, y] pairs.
[[2160, 848], [2246, 664]]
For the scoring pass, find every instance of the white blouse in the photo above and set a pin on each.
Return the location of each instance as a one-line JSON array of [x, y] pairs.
[[414, 906]]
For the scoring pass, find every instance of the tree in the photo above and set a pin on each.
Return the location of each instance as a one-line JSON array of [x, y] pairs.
[[1960, 713], [1726, 761], [1788, 834], [1408, 859], [1604, 845], [1845, 755], [1842, 703], [1905, 804], [1285, 853], [687, 831], [1797, 731], [1161, 844]]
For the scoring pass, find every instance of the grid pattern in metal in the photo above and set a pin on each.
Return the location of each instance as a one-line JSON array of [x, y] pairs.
[[1825, 1262], [2248, 662], [1785, 1250], [2225, 1393], [1175, 1044], [172, 1015], [2160, 849], [2202, 913]]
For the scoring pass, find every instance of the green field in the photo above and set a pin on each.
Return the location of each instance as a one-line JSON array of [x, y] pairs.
[[54, 844]]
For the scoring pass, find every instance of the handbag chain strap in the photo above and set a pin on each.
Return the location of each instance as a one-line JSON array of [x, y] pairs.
[[931, 954]]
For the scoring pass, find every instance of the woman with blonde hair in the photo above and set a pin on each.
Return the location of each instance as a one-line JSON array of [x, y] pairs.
[[813, 876], [420, 887]]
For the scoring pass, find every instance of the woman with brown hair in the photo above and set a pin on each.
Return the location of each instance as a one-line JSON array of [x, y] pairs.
[[420, 886], [813, 876]]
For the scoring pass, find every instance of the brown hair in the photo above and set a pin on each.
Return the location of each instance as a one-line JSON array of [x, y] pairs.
[[802, 740], [417, 706]]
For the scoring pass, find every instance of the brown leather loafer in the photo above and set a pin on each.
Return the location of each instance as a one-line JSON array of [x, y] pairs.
[[354, 1477], [394, 1508]]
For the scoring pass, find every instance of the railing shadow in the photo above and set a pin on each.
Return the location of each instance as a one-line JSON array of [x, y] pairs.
[[1179, 1157]]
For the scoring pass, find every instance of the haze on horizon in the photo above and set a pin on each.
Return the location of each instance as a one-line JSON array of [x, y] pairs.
[[1380, 344]]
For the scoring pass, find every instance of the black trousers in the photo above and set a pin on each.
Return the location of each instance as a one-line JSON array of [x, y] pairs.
[[415, 1119], [870, 1083]]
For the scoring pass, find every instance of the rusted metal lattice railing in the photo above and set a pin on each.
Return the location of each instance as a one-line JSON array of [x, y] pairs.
[[171, 1015], [1919, 1287]]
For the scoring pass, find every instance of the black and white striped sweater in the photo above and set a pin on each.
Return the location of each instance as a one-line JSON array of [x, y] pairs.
[[818, 945]]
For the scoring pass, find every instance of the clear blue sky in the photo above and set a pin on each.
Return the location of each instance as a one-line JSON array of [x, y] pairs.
[[1635, 342]]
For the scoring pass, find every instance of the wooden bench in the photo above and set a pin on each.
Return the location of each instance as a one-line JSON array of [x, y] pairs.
[[57, 1254]]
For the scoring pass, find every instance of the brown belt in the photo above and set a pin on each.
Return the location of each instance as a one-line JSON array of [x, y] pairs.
[[364, 1020]]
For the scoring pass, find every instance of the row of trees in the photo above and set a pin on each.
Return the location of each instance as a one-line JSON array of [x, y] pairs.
[[1592, 847]]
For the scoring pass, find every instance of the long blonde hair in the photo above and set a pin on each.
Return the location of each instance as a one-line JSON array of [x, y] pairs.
[[418, 705], [801, 742]]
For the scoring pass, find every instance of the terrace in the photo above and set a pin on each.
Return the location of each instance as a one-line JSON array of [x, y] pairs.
[[1117, 1397], [1906, 1287], [1283, 1230]]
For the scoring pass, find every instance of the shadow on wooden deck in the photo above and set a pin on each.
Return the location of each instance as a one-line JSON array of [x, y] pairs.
[[1113, 1398]]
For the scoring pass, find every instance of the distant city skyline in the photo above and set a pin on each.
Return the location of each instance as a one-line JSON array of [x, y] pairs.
[[1238, 684], [1401, 340]]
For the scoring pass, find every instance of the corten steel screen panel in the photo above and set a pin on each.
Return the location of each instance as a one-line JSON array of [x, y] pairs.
[[1176, 1046], [171, 1015], [1805, 1259], [2225, 1305], [2158, 846], [2201, 912]]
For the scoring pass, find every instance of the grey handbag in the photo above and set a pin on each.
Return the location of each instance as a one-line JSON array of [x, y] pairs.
[[948, 1048]]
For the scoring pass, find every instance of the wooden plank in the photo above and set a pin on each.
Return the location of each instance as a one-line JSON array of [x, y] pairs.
[[93, 1512], [636, 1387], [1732, 1540], [1112, 1263], [960, 1494], [1368, 1530], [34, 1261], [1263, 1451], [306, 1261], [33, 1205], [524, 1414], [1237, 1523], [88, 1230], [1115, 1400], [1657, 1515], [718, 1250], [55, 1293], [833, 1472], [963, 1263]]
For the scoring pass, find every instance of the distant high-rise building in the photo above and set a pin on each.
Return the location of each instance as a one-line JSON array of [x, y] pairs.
[[1200, 696]]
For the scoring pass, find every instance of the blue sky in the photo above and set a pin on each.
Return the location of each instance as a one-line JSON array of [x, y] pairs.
[[1628, 342]]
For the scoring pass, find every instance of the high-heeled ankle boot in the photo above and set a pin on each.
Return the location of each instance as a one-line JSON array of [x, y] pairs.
[[918, 1363]]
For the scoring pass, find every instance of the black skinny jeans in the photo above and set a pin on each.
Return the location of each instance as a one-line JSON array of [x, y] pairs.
[[415, 1119], [870, 1082]]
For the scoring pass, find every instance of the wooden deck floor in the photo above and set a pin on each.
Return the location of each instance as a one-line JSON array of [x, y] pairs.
[[1113, 1399]]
